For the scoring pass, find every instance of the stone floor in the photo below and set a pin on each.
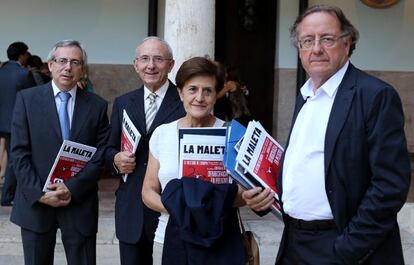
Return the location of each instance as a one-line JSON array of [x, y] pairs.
[[267, 231]]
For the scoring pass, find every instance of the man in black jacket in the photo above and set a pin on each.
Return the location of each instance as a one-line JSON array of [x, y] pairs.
[[346, 171], [13, 78], [135, 223]]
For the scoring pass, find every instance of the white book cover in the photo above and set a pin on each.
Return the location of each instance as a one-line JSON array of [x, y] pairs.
[[201, 156], [259, 155], [130, 137], [71, 158]]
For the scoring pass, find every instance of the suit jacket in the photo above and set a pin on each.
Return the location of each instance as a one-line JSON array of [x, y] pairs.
[[203, 227], [35, 143], [13, 78], [132, 217], [367, 169]]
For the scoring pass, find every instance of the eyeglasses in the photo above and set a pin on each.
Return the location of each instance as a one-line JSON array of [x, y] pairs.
[[158, 60], [326, 42], [64, 61]]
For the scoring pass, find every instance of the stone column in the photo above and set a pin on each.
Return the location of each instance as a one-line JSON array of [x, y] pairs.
[[189, 29]]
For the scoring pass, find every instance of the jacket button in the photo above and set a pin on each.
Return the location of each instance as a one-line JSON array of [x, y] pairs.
[[145, 164]]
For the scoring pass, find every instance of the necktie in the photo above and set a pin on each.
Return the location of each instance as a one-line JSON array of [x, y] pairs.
[[63, 115], [152, 110]]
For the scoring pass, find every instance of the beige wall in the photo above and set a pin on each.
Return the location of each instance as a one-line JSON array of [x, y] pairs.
[[113, 80], [403, 83]]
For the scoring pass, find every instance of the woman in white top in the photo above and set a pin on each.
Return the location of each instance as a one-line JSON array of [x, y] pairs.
[[198, 81]]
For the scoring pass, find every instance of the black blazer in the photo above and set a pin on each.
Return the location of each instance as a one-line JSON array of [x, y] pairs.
[[367, 169], [36, 141], [13, 78], [131, 215], [203, 227]]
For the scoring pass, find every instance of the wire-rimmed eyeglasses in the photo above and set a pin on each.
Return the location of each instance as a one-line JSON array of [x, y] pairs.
[[64, 61], [326, 41], [155, 59]]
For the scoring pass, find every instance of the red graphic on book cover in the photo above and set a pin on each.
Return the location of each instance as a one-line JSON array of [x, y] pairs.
[[126, 145], [206, 170], [267, 166], [65, 169]]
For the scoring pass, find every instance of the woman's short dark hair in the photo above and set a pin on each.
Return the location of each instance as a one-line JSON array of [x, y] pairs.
[[199, 66], [346, 25]]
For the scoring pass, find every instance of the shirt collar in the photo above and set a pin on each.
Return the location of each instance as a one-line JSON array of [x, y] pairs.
[[329, 87], [56, 90], [160, 92]]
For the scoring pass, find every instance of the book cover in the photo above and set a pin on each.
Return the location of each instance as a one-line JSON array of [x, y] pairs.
[[71, 158], [234, 132], [201, 154], [130, 137], [260, 155]]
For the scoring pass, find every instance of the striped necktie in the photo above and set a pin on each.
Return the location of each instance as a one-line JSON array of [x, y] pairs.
[[63, 115], [151, 111]]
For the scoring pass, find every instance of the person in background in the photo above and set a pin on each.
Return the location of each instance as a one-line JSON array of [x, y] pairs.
[[237, 93], [155, 103], [45, 116], [85, 82], [222, 107], [34, 64], [232, 99], [198, 81], [13, 78], [346, 170]]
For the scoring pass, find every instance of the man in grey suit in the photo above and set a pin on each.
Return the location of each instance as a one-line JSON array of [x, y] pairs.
[[38, 129], [135, 223], [13, 78], [346, 170]]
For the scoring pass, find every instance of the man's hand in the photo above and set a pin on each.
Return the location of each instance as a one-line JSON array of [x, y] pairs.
[[257, 199], [125, 162], [66, 195], [58, 196], [52, 198]]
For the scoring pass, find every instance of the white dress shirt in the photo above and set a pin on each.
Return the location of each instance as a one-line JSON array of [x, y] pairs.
[[304, 196], [160, 95]]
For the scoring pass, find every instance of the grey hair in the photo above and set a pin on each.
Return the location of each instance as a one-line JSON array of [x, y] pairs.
[[169, 50], [346, 26], [68, 43]]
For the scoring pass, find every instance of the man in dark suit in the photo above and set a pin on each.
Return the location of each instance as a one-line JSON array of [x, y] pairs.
[[346, 170], [13, 78], [135, 223], [38, 131]]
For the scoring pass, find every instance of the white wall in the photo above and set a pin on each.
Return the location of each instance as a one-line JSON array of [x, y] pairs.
[[109, 29], [286, 55], [386, 35]]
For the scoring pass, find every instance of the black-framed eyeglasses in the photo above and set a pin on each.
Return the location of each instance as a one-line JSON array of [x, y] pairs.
[[64, 61], [326, 41], [155, 59]]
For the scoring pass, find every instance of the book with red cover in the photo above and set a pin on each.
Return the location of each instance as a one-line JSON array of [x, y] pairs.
[[130, 137], [201, 154], [71, 158], [260, 156]]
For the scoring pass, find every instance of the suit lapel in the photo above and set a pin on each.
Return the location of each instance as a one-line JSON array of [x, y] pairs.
[[339, 112], [48, 104], [80, 113], [135, 110]]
